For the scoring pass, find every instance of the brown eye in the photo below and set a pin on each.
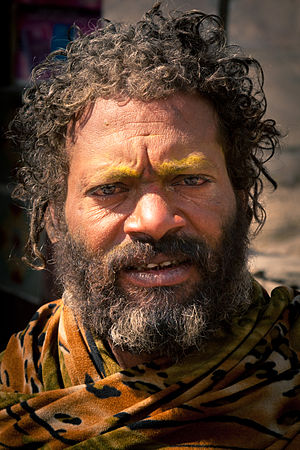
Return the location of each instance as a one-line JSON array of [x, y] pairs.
[[108, 189], [191, 180]]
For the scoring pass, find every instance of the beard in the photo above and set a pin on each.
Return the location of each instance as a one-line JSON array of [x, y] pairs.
[[166, 320]]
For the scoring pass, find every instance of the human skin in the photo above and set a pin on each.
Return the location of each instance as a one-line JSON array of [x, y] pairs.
[[140, 170]]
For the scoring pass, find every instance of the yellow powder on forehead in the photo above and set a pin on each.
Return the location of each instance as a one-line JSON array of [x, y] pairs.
[[163, 170], [175, 166], [120, 171], [110, 174]]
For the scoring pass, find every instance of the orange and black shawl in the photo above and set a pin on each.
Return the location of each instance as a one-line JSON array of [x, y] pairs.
[[61, 389]]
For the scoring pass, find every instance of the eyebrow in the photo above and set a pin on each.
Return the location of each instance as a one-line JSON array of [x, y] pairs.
[[163, 170], [175, 166], [116, 173]]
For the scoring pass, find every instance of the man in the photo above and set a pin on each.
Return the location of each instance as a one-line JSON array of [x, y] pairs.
[[143, 157]]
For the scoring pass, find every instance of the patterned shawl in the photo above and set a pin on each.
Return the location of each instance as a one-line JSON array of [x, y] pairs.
[[61, 389]]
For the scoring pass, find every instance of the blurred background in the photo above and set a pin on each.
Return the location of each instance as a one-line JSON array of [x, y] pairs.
[[269, 30]]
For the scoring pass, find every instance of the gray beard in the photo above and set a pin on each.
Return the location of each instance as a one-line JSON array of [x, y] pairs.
[[165, 321]]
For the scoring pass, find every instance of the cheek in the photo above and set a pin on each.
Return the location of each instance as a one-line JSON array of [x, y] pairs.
[[95, 228], [209, 215]]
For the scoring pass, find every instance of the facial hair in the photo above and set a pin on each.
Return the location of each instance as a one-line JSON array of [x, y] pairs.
[[166, 320]]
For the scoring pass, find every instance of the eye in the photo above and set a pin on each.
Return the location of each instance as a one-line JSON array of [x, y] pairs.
[[190, 180], [106, 190]]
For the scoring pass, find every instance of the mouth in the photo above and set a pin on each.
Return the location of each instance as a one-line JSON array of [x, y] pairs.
[[169, 264], [158, 272]]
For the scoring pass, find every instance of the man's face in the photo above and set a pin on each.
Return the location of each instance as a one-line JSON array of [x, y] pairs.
[[155, 251], [148, 170]]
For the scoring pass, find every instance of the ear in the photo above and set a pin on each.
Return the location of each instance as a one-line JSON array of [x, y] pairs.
[[51, 224]]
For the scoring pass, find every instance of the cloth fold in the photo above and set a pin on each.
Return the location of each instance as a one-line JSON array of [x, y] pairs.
[[61, 388]]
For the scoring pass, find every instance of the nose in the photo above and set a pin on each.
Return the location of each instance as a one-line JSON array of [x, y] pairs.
[[153, 217]]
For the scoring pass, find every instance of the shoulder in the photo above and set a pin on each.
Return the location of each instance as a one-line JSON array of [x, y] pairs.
[[288, 296], [23, 352], [38, 324], [290, 316]]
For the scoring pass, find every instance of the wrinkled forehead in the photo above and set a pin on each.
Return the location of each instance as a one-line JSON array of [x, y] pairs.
[[179, 112]]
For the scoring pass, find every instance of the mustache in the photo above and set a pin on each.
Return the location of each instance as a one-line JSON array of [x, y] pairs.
[[182, 248]]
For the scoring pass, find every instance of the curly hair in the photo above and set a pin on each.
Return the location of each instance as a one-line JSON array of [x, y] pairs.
[[152, 59]]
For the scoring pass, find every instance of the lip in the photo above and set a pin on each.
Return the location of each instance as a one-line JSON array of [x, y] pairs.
[[168, 276], [158, 259]]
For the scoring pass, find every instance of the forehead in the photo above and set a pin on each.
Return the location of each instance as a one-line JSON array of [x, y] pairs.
[[131, 130], [177, 110]]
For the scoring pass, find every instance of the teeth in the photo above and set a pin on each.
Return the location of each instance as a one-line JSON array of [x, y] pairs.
[[154, 266], [151, 266], [167, 263]]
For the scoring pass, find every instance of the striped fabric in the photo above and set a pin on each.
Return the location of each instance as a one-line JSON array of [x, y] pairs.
[[62, 389]]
